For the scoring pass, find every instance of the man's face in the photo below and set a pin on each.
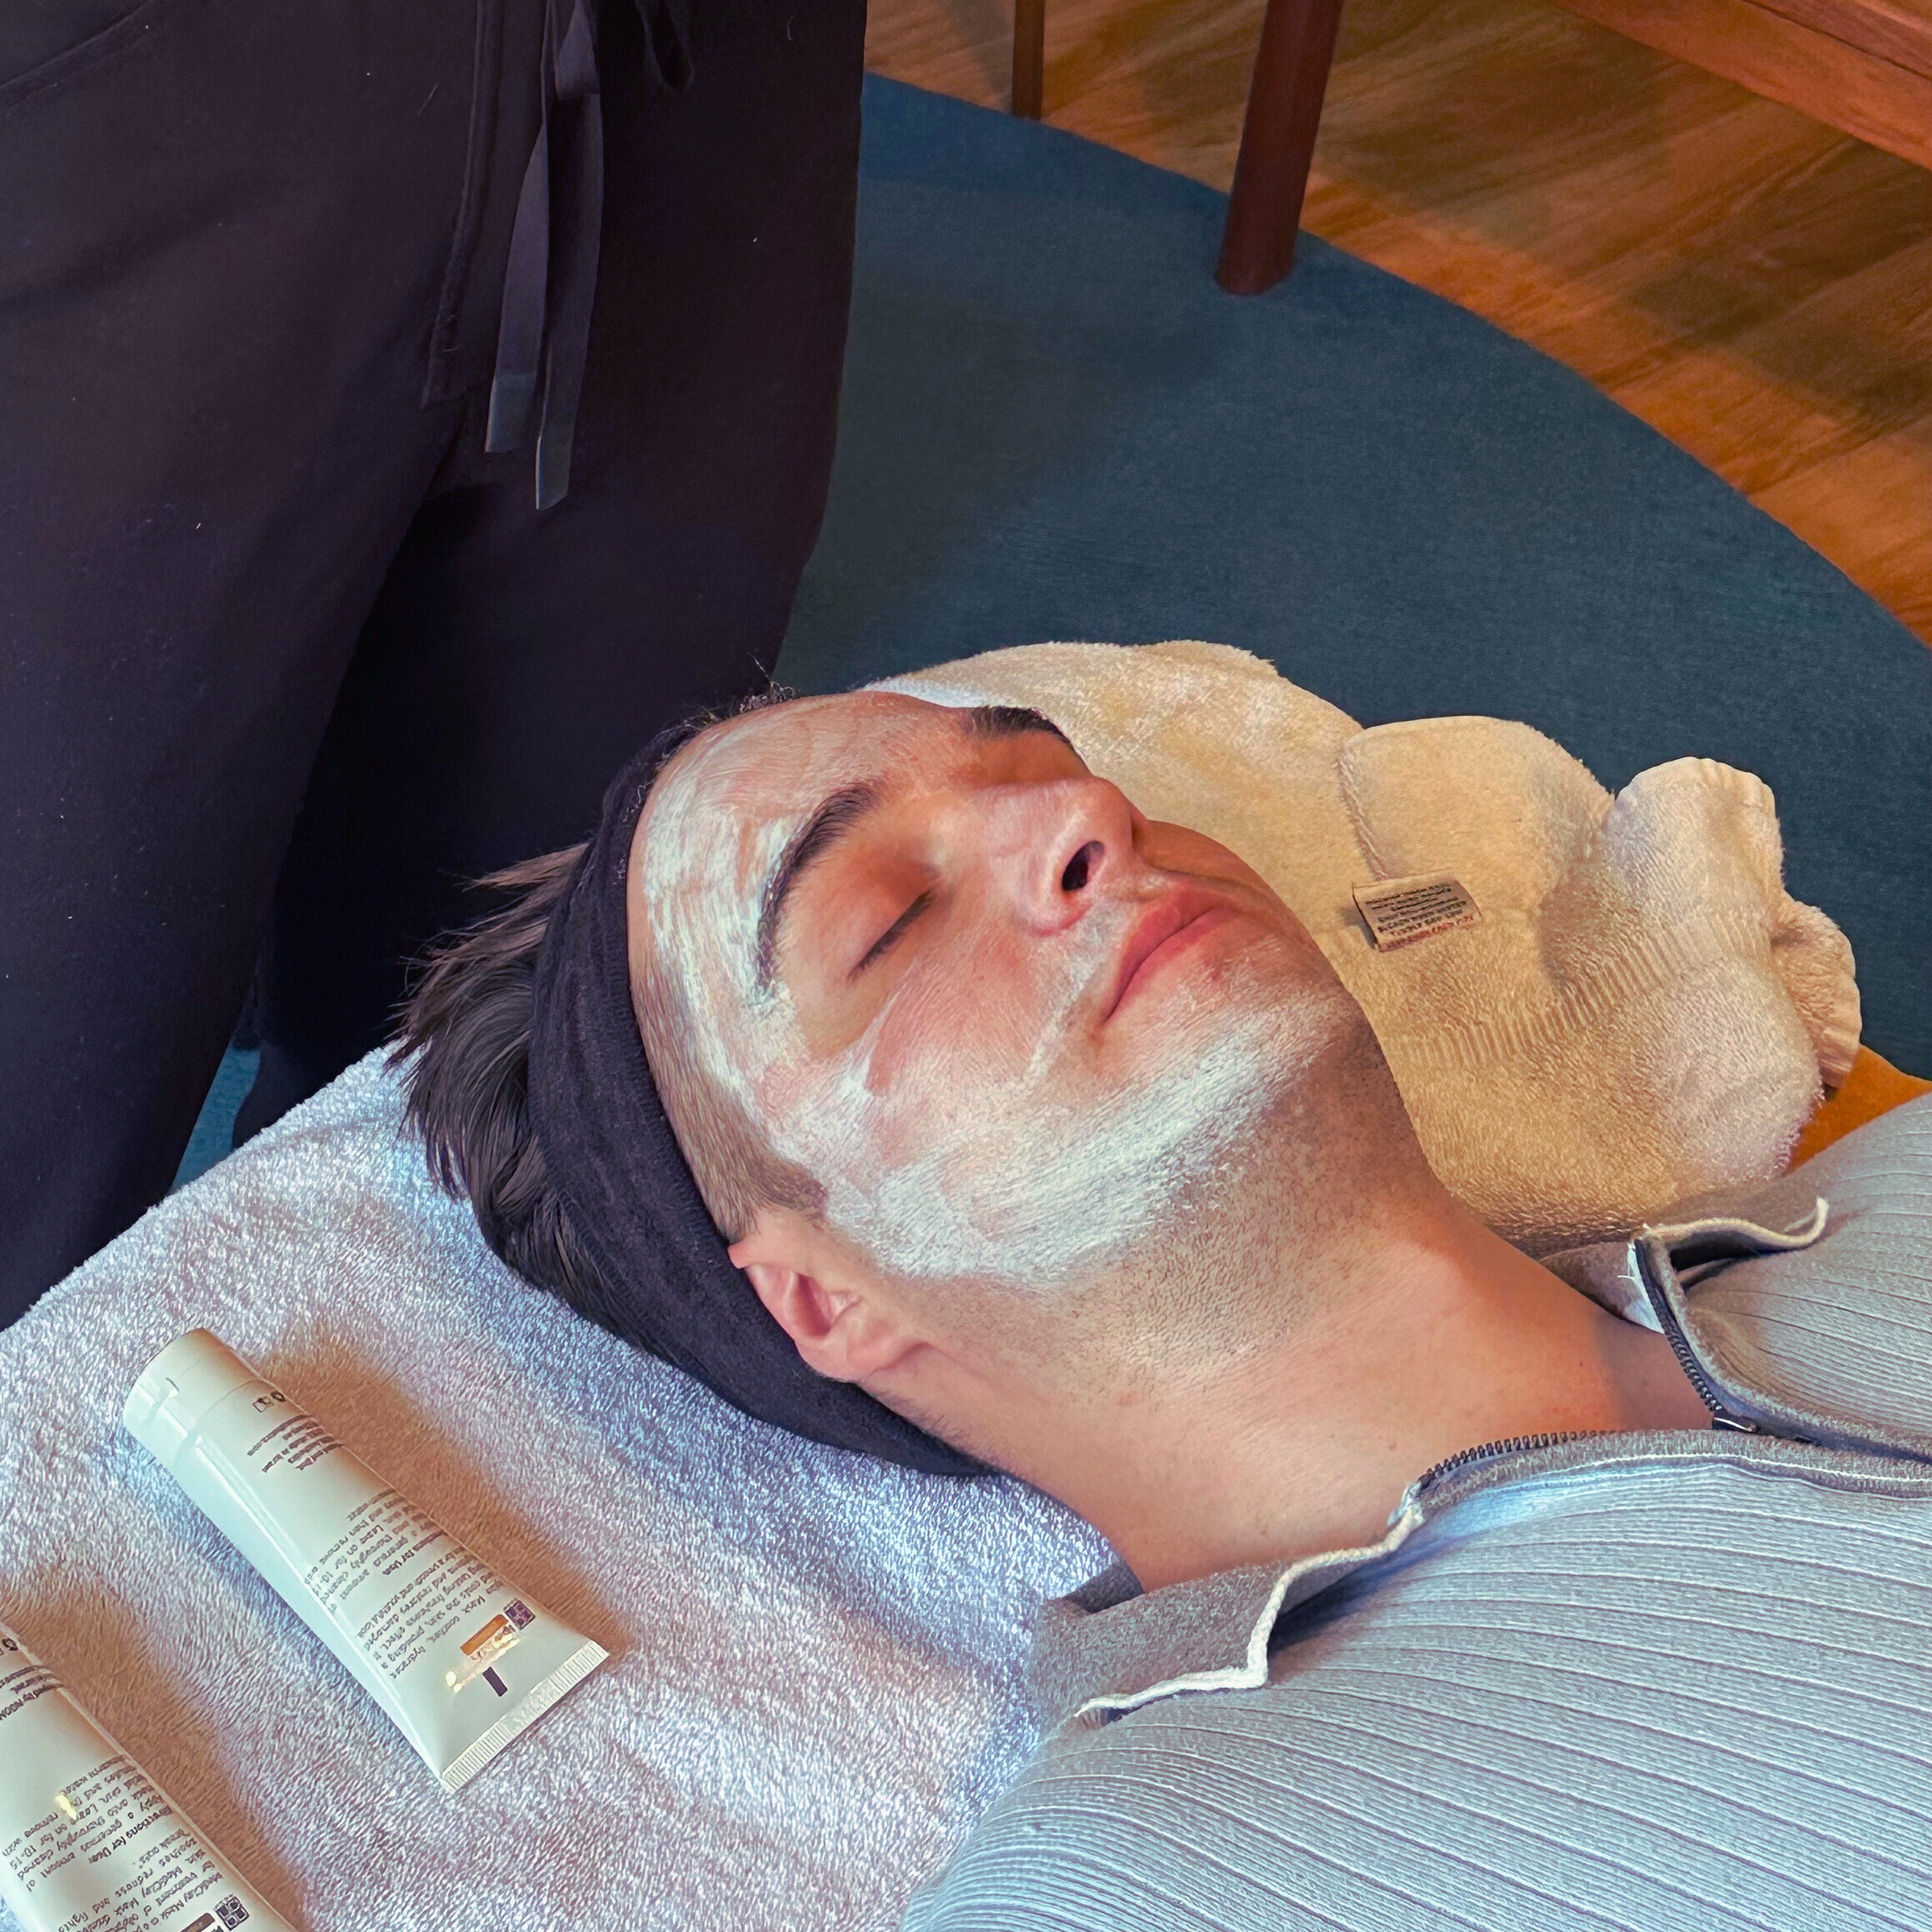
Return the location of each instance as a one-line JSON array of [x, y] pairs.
[[1006, 1022]]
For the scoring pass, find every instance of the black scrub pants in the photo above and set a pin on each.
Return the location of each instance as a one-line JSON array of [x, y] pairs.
[[285, 658]]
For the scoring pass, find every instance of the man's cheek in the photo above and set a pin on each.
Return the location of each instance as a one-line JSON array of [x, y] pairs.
[[960, 1028], [929, 1057]]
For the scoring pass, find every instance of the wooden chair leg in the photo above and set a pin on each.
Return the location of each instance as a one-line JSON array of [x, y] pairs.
[[1030, 57], [1278, 141]]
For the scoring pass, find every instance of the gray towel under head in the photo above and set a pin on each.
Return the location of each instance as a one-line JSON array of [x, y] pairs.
[[817, 1673]]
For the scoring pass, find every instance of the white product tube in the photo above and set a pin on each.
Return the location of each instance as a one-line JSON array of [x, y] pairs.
[[460, 1660], [88, 1841]]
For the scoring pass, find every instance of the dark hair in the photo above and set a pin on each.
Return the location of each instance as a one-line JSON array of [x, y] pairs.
[[462, 1043], [465, 1036]]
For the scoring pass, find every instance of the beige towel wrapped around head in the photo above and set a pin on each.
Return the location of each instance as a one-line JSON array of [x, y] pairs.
[[1638, 1011]]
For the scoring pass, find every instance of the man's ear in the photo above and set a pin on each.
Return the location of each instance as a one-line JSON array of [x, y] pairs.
[[837, 1321]]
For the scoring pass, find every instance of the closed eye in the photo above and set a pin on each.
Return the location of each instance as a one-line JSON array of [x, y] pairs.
[[893, 933]]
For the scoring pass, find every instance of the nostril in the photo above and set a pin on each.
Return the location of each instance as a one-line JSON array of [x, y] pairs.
[[1080, 867]]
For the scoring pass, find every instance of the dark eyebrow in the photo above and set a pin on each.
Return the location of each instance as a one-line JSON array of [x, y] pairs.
[[1012, 721], [823, 829]]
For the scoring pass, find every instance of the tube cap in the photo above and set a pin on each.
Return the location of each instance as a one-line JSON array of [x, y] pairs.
[[177, 1389]]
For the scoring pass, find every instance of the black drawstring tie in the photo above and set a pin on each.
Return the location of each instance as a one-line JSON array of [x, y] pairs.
[[550, 285]]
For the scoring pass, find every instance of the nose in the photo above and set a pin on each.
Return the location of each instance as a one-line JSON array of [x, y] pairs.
[[1053, 848]]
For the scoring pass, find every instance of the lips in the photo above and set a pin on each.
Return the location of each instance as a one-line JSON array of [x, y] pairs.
[[1160, 923]]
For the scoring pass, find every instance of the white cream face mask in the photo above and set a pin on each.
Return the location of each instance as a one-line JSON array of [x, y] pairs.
[[462, 1661], [1035, 1191], [988, 1149], [88, 1841]]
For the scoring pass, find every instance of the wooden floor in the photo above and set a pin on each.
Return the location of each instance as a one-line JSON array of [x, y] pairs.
[[1754, 285]]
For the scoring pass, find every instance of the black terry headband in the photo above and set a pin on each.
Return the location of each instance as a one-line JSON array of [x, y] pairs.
[[611, 1154]]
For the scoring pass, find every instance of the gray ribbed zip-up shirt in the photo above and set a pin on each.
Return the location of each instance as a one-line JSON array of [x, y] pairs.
[[1673, 1681]]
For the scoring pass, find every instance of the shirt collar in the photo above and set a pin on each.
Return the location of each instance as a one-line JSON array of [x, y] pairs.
[[1111, 1647]]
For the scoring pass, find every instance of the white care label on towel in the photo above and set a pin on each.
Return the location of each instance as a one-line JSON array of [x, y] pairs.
[[1397, 912]]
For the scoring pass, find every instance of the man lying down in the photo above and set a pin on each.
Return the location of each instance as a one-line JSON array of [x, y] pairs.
[[1455, 1590]]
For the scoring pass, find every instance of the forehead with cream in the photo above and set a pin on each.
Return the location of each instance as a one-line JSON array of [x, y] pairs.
[[717, 823]]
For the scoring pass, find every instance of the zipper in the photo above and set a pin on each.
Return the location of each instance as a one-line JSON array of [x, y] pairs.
[[1509, 1445], [1708, 1391]]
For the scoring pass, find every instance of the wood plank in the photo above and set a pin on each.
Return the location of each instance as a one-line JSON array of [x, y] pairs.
[[1876, 99], [1831, 397], [1894, 30]]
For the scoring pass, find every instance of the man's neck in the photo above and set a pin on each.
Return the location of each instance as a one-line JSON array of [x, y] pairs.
[[1443, 1339]]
